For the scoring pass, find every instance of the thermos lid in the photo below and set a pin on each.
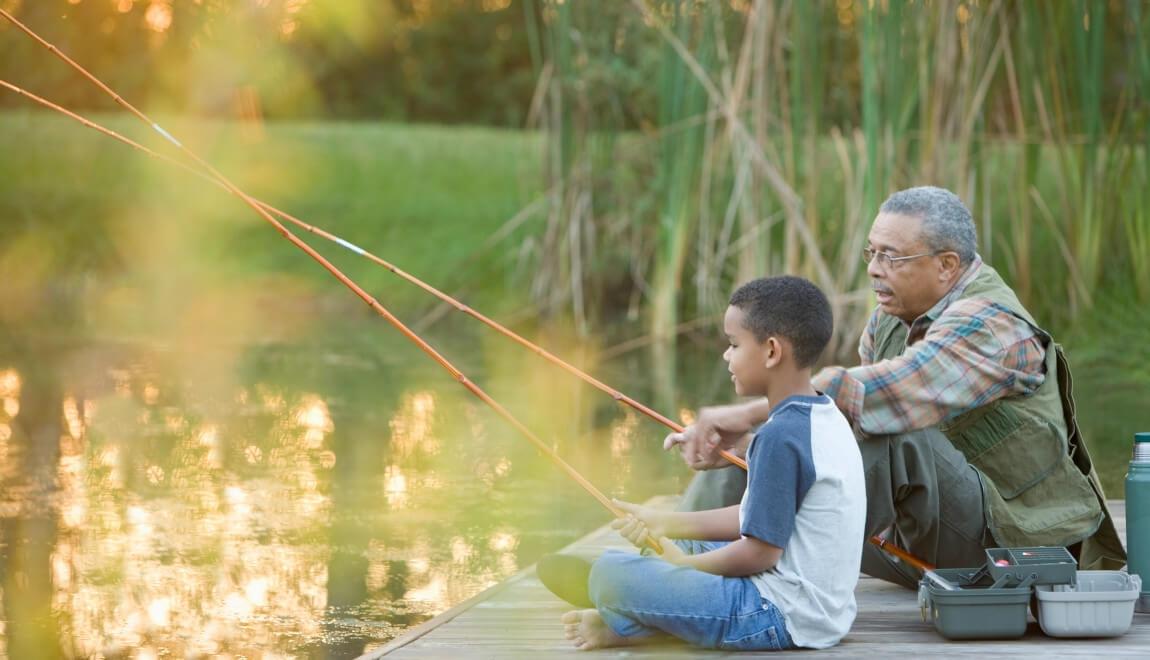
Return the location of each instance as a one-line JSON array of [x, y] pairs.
[[1142, 437]]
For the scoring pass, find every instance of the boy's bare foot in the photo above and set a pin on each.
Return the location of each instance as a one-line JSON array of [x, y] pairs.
[[587, 631]]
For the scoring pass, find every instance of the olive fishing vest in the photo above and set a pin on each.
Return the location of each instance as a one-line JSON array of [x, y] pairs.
[[1039, 485]]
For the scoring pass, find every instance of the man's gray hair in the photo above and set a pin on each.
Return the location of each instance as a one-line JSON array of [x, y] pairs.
[[946, 222]]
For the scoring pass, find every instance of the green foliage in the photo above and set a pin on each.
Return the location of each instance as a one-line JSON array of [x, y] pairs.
[[431, 60]]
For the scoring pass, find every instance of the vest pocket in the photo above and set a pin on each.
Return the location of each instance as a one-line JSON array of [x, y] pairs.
[[1016, 452]]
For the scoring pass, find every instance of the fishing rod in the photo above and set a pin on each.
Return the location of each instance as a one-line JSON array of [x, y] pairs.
[[346, 281], [881, 543], [466, 309]]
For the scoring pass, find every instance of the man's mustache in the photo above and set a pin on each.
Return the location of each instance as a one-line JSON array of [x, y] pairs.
[[880, 288]]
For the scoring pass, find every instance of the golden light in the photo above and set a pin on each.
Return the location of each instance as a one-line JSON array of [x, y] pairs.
[[461, 551], [140, 521], [158, 16], [273, 402], [235, 496], [9, 383], [61, 571], [175, 423], [503, 467], [124, 6], [395, 487], [151, 394], [11, 406], [687, 416], [503, 542], [435, 591], [110, 457], [313, 438], [209, 436], [291, 24], [253, 454], [137, 515], [73, 515], [411, 427], [160, 612], [313, 414], [256, 592], [237, 606], [327, 460], [155, 474], [73, 418], [622, 436]]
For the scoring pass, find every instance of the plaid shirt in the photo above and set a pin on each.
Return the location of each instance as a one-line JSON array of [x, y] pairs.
[[960, 355]]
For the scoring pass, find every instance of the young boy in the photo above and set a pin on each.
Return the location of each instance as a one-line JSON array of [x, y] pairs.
[[779, 570]]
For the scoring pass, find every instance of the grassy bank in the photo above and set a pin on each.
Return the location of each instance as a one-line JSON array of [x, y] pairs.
[[428, 199]]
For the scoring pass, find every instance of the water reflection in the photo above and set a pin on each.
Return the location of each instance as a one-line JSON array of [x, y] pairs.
[[307, 511]]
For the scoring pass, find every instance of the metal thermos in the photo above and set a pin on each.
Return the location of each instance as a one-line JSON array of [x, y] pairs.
[[1138, 516]]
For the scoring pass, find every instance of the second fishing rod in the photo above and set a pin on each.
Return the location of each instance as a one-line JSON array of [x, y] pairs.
[[346, 281], [466, 309], [881, 543]]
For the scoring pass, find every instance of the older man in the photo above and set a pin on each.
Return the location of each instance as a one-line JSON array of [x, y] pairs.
[[962, 406]]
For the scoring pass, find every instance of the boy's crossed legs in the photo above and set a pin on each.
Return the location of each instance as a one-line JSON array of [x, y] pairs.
[[641, 599]]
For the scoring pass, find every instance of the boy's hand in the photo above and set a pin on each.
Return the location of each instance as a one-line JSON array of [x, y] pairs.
[[641, 522], [671, 552]]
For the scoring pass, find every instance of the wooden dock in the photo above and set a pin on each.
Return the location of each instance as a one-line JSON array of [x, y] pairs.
[[519, 618]]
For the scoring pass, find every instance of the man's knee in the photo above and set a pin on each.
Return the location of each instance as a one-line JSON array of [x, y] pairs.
[[714, 489]]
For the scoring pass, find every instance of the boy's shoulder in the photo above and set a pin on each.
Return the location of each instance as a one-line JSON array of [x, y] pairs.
[[798, 419], [792, 413], [788, 424]]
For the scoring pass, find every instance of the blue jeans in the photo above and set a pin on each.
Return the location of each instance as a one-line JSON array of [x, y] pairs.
[[640, 596]]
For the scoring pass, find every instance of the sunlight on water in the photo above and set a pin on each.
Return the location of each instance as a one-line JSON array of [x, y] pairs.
[[288, 518]]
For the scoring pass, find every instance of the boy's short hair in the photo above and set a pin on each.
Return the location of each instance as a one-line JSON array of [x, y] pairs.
[[788, 307]]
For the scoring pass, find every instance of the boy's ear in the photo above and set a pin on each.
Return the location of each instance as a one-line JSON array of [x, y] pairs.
[[772, 352]]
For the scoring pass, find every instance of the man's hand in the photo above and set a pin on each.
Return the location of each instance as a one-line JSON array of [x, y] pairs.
[[718, 427]]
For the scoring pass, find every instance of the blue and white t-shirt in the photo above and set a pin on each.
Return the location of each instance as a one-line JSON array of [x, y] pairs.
[[806, 494]]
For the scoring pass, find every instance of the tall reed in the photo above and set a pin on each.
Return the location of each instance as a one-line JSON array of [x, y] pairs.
[[765, 133]]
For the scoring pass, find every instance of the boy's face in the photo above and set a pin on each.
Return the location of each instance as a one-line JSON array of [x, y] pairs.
[[747, 359]]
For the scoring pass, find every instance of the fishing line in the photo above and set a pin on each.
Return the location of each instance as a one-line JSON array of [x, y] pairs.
[[346, 281], [466, 309]]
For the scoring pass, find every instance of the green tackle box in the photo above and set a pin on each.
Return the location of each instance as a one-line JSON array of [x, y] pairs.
[[1047, 565], [976, 609]]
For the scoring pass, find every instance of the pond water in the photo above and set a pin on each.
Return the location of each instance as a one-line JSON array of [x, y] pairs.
[[304, 499]]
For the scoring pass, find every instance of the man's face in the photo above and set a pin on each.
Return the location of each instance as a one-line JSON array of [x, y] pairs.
[[905, 289], [746, 357]]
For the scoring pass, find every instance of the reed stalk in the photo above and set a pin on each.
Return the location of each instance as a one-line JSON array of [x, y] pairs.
[[775, 128]]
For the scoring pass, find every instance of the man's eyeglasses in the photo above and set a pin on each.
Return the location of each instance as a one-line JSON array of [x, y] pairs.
[[885, 261]]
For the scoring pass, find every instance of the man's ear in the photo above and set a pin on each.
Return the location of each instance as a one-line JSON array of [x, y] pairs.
[[949, 265], [772, 352]]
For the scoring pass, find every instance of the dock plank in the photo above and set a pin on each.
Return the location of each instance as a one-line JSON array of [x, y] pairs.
[[519, 618]]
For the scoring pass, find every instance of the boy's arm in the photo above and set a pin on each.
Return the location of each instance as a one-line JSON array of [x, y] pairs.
[[741, 558], [713, 525], [745, 555]]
